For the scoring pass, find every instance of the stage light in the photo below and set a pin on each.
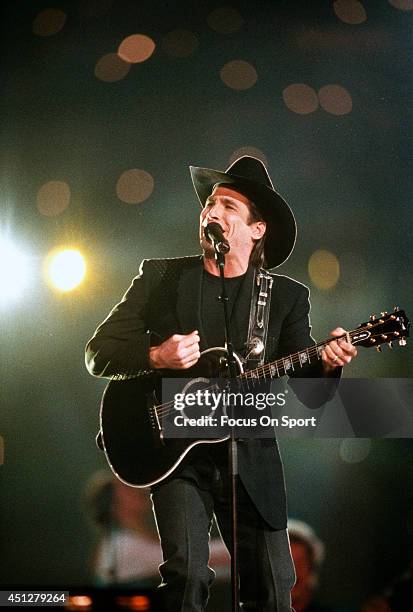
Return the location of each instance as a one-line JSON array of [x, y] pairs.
[[66, 269], [14, 271], [49, 22], [324, 269], [53, 198], [138, 603], [239, 75], [350, 11], [354, 450], [300, 98], [134, 186], [79, 602], [136, 48], [335, 99], [111, 68]]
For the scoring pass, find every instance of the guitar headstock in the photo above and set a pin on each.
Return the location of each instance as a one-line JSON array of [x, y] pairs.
[[388, 328]]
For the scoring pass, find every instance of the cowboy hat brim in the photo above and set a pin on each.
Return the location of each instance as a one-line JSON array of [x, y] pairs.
[[281, 227]]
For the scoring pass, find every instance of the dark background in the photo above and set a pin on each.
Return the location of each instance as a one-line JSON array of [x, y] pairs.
[[346, 176]]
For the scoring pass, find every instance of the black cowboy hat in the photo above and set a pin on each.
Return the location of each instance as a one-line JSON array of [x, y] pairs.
[[248, 176]]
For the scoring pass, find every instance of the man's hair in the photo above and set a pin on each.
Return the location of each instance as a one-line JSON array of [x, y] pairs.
[[257, 257]]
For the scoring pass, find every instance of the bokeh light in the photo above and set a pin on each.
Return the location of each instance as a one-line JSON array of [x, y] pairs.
[[239, 75], [48, 22], [335, 99], [180, 43], [111, 68], [15, 271], [300, 98], [350, 11], [225, 20], [53, 198], [402, 5], [66, 269], [136, 48], [354, 450], [134, 186], [324, 269], [80, 602], [253, 151], [137, 603]]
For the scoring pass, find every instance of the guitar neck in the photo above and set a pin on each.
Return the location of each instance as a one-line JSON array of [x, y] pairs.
[[294, 362]]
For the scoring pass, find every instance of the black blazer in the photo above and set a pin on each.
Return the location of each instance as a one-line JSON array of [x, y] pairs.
[[165, 299]]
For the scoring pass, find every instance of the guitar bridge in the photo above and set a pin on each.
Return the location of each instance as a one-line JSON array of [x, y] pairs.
[[154, 419]]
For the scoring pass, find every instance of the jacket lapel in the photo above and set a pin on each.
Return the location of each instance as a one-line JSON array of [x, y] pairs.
[[241, 312], [188, 305]]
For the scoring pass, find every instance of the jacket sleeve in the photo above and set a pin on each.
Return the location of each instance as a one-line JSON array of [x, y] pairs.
[[311, 384], [120, 345], [296, 328]]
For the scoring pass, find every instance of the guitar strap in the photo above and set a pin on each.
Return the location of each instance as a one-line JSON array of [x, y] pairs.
[[259, 317]]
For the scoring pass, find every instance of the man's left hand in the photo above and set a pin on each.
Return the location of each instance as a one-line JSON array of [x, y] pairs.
[[338, 352]]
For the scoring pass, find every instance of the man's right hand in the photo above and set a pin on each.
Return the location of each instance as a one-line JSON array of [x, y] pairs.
[[179, 352]]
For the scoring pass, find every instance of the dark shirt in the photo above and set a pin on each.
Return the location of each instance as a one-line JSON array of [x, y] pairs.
[[212, 309], [205, 460]]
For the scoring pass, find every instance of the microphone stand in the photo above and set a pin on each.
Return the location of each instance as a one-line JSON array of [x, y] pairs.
[[232, 447]]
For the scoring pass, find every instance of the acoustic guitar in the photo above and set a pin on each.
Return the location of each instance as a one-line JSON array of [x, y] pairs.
[[131, 432]]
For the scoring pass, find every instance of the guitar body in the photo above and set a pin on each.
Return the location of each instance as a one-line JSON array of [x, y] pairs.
[[132, 441], [130, 430]]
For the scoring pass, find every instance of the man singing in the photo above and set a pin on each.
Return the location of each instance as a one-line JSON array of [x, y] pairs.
[[169, 315]]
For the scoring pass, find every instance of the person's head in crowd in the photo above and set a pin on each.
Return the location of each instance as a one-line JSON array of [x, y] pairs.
[[308, 553], [114, 504]]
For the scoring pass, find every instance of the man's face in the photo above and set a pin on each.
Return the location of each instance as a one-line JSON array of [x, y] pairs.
[[232, 211]]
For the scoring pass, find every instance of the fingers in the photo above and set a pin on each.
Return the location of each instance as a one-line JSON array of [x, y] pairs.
[[338, 331], [333, 357], [186, 340], [191, 362], [187, 349], [188, 356], [180, 351], [338, 352]]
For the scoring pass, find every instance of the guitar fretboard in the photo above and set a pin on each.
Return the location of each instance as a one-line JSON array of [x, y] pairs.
[[293, 362]]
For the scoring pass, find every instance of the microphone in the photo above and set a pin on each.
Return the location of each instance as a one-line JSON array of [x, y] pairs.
[[214, 234]]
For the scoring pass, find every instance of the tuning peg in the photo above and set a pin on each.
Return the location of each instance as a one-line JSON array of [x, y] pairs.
[[378, 348], [402, 342], [396, 308], [372, 317], [390, 345], [384, 313]]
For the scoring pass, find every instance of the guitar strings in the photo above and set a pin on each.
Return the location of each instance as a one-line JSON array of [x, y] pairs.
[[163, 410], [280, 367]]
